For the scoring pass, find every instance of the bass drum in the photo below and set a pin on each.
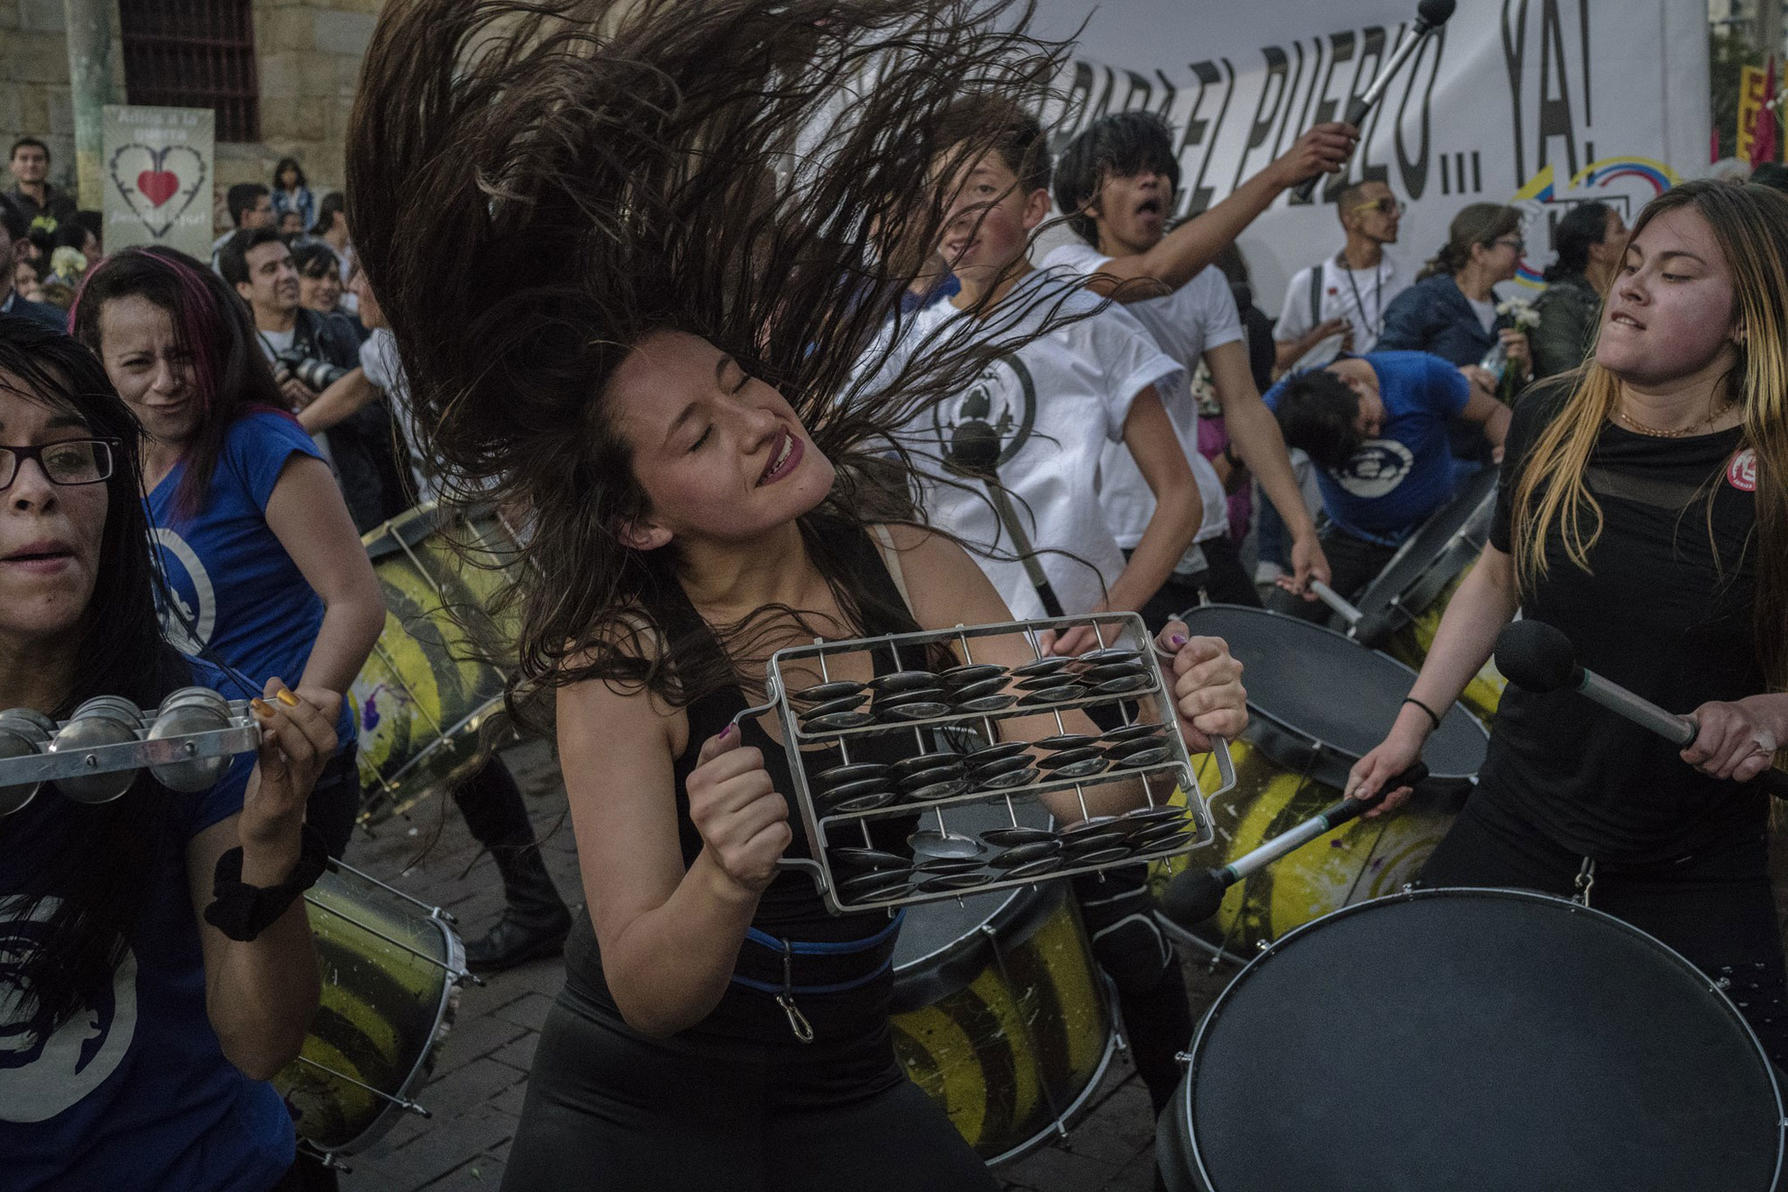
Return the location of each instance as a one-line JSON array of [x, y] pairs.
[[437, 671], [1318, 702], [391, 969], [1000, 1014], [1401, 609], [1476, 1041]]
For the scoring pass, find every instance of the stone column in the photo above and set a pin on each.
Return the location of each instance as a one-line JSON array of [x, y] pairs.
[[90, 88]]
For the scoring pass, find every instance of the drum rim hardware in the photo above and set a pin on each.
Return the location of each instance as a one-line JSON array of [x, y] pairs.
[[821, 821]]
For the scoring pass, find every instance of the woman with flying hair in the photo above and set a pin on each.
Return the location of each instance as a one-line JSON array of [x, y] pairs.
[[666, 392], [1642, 512]]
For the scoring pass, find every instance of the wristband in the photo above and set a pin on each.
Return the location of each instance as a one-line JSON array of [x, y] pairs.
[[242, 911], [1424, 707]]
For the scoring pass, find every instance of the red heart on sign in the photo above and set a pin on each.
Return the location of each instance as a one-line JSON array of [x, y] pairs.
[[158, 186]]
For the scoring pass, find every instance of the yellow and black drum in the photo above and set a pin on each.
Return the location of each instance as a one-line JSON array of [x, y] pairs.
[[391, 968], [1000, 1015], [1401, 609], [1318, 702], [437, 671]]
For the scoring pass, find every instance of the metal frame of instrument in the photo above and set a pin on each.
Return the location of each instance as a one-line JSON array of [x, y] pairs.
[[825, 827], [50, 764]]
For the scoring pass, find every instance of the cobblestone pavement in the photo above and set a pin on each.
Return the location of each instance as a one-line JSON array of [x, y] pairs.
[[481, 1074]]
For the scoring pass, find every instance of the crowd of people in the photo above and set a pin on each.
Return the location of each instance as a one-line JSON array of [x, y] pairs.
[[739, 407]]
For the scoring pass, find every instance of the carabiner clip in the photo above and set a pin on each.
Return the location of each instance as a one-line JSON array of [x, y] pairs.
[[797, 1021]]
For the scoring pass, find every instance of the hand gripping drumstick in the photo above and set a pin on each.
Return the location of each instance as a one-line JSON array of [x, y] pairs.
[[1194, 896], [1430, 15], [1539, 657]]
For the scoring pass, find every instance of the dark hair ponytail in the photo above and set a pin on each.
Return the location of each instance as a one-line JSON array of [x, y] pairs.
[[1476, 223]]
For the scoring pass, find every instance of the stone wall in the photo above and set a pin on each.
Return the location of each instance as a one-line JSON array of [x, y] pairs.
[[308, 55]]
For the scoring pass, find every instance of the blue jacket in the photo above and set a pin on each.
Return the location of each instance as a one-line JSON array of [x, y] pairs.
[[1433, 316], [38, 312]]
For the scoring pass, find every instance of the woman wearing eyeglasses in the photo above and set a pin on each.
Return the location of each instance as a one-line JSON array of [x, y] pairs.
[[267, 574], [1450, 311], [144, 1001]]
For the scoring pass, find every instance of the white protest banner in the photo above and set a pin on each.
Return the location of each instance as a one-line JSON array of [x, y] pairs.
[[158, 168], [1540, 103]]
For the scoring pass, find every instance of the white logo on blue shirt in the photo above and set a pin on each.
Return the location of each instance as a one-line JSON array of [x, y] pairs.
[[187, 625], [1375, 469], [42, 1077]]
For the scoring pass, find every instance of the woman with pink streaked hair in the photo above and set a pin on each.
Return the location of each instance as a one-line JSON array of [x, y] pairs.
[[265, 570]]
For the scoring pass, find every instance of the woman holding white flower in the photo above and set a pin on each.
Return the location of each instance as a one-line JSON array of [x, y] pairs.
[[1451, 309]]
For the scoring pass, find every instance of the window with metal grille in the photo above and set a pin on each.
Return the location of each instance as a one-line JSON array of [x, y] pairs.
[[194, 54]]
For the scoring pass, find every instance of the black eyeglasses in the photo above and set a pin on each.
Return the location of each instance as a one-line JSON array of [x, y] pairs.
[[70, 461]]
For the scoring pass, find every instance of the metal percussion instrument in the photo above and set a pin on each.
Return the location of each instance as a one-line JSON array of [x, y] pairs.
[[950, 706], [94, 755]]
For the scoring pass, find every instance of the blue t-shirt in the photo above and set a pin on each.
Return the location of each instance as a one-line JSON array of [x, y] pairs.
[[134, 1092], [236, 590], [1395, 481]]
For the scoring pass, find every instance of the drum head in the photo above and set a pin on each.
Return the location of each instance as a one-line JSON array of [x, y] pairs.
[[1467, 516], [1477, 1041], [1319, 685]]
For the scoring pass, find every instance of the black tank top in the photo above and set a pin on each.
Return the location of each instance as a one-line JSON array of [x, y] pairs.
[[837, 969]]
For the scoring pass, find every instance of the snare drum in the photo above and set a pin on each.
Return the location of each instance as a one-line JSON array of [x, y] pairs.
[[1000, 1015], [1402, 608], [1477, 1041], [1318, 702], [391, 969], [437, 671]]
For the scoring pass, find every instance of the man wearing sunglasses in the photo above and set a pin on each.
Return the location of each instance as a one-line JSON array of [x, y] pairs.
[[1338, 305]]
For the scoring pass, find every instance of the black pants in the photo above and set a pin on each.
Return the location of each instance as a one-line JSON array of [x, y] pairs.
[[1353, 563], [608, 1109], [334, 802], [1118, 912], [1223, 581], [1714, 907], [492, 806]]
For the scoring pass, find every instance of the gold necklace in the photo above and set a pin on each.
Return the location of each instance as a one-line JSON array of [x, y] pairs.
[[1660, 433]]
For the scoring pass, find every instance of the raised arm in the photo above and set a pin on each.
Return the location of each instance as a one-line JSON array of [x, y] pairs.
[[1183, 253], [308, 516], [260, 992], [669, 935]]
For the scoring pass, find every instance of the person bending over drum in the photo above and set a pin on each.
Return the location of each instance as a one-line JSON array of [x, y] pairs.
[[156, 965], [1642, 512], [265, 570], [663, 394], [1376, 428]]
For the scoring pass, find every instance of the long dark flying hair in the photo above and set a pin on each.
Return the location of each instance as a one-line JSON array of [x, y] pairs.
[[230, 373], [99, 865], [762, 176], [1583, 227]]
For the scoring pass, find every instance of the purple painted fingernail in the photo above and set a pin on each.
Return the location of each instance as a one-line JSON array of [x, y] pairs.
[[1177, 640], [727, 731]]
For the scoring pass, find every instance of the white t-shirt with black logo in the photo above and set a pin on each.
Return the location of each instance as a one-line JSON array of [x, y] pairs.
[[1185, 324], [1056, 403]]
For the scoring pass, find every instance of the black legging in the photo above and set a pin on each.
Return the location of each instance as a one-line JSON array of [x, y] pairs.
[[492, 805], [1715, 907], [609, 1109]]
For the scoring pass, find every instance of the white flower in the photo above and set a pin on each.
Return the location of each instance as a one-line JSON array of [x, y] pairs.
[[1520, 312]]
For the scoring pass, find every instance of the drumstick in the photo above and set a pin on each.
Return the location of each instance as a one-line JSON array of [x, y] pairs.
[[1430, 15], [1194, 896], [1539, 657]]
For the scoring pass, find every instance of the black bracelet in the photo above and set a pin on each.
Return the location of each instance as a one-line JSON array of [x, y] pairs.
[[242, 911], [1424, 707]]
